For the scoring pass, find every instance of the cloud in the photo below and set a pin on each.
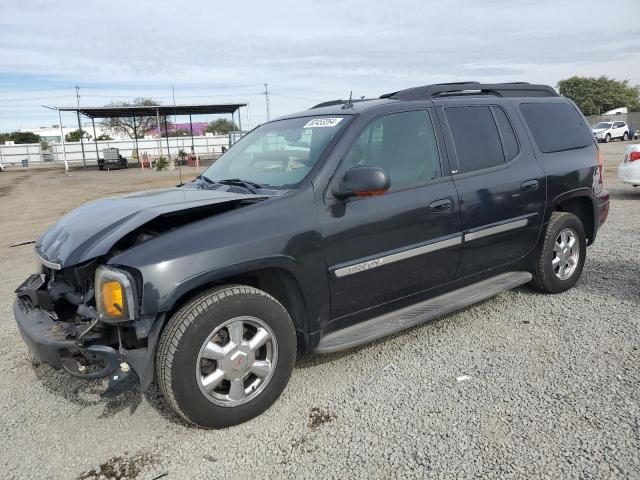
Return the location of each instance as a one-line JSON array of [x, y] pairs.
[[311, 51]]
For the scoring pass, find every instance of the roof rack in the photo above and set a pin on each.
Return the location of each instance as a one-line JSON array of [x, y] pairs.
[[514, 89]]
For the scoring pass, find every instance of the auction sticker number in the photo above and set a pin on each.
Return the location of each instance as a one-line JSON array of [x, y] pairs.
[[323, 122]]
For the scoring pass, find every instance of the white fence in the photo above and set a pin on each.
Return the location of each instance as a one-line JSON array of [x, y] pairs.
[[203, 146]]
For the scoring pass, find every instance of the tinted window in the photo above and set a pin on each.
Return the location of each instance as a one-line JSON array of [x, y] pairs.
[[556, 126], [618, 124], [509, 141], [278, 154], [404, 144], [475, 137]]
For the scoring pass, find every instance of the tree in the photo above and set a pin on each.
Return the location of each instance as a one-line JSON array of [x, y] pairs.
[[104, 136], [143, 124], [76, 135], [24, 137], [221, 126], [595, 96]]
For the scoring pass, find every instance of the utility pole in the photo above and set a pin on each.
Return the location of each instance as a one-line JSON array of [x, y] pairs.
[[266, 96], [84, 160], [175, 129]]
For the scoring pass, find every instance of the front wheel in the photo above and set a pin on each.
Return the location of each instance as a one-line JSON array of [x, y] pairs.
[[563, 254], [607, 138], [226, 356]]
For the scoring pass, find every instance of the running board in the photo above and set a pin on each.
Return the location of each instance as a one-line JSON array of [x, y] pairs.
[[408, 317]]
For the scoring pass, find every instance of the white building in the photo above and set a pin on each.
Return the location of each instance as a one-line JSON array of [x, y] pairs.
[[52, 134]]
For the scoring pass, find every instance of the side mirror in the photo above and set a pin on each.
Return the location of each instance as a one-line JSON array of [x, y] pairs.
[[362, 182]]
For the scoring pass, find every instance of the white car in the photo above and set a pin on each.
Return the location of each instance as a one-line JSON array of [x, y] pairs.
[[607, 131], [629, 170]]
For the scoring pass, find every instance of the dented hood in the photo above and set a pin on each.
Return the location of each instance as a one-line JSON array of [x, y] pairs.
[[91, 230]]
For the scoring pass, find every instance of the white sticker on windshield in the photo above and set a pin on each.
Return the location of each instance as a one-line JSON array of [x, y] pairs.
[[323, 122]]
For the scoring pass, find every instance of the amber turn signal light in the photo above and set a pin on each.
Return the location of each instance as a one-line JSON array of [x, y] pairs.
[[112, 298]]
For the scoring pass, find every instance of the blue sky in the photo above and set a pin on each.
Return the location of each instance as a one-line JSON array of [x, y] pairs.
[[307, 51]]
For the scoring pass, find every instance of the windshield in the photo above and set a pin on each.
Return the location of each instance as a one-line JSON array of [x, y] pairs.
[[602, 125], [279, 154]]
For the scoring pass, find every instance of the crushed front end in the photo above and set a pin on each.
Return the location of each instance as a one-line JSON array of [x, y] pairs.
[[84, 320]]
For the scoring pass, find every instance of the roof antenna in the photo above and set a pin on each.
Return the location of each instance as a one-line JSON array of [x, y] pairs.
[[349, 104]]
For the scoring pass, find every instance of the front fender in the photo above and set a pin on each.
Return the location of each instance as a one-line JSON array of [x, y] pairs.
[[216, 274], [231, 244]]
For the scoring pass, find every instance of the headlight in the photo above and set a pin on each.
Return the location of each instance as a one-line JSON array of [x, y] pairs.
[[115, 294]]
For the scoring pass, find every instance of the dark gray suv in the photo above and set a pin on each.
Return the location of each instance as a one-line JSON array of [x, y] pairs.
[[318, 231]]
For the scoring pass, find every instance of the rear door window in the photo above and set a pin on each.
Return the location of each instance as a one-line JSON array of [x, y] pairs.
[[475, 137], [556, 126], [509, 140]]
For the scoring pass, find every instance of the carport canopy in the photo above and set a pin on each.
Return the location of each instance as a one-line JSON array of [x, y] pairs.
[[153, 110], [146, 111]]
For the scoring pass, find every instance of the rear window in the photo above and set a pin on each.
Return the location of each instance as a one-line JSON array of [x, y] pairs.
[[556, 126]]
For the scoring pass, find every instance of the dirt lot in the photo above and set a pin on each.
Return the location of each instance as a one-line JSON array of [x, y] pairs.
[[552, 386]]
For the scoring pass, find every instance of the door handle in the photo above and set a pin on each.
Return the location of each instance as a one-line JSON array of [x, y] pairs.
[[530, 185], [440, 205]]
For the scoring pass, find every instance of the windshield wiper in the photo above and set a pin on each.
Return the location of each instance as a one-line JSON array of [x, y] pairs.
[[206, 180], [251, 186]]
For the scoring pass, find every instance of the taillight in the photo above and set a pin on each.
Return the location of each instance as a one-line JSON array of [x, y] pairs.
[[633, 156], [600, 168]]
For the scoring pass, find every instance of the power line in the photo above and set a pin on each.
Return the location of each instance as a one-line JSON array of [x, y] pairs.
[[306, 99], [34, 98]]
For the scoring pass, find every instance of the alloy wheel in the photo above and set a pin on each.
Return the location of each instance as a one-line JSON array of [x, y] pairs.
[[236, 361], [566, 253]]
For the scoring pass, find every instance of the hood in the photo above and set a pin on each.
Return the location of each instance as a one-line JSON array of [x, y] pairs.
[[91, 230], [599, 130]]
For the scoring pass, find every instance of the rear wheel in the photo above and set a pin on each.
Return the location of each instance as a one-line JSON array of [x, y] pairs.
[[563, 254], [625, 137], [226, 356]]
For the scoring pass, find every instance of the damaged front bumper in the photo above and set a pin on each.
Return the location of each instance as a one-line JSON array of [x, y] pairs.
[[51, 342], [84, 349]]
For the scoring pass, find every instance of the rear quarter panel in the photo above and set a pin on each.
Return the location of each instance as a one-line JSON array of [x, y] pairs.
[[570, 173]]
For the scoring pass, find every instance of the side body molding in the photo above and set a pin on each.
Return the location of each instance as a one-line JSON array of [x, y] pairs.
[[387, 258]]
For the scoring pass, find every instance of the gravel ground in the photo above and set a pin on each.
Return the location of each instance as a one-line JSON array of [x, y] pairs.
[[522, 385]]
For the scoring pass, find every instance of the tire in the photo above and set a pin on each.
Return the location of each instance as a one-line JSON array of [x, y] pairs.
[[183, 366], [625, 137], [607, 138], [545, 276], [100, 167]]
